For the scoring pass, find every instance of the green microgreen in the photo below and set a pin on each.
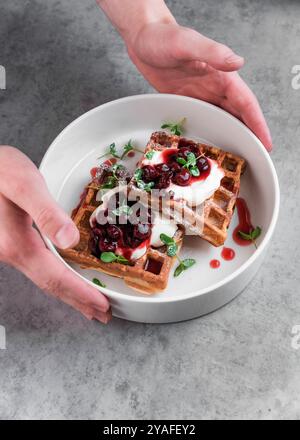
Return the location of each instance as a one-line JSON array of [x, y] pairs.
[[172, 250], [98, 282], [140, 183], [110, 257], [252, 236], [129, 147], [175, 127]]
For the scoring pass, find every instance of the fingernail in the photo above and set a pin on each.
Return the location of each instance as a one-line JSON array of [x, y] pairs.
[[67, 236], [234, 58], [104, 318]]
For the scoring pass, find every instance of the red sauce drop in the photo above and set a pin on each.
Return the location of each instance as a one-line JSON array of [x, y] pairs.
[[214, 264], [131, 154], [244, 225], [227, 254]]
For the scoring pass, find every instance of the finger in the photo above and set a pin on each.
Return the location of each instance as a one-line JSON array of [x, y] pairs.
[[244, 101], [191, 46], [22, 247], [51, 275], [22, 183]]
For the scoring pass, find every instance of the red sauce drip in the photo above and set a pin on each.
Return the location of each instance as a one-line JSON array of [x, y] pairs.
[[214, 264], [127, 251], [131, 154], [244, 225], [227, 254], [153, 266]]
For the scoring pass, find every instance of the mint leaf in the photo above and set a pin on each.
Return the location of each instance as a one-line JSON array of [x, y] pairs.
[[256, 233], [181, 161], [112, 150], [245, 236], [195, 171], [98, 282], [184, 265], [175, 128], [145, 186], [191, 160], [138, 174], [150, 154], [179, 269], [110, 182], [166, 239], [122, 260], [108, 257], [172, 250], [252, 236], [188, 262], [127, 147]]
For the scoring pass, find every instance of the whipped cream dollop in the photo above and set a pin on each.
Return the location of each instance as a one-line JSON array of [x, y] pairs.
[[199, 190]]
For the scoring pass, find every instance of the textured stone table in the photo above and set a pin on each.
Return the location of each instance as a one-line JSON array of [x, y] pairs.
[[62, 60]]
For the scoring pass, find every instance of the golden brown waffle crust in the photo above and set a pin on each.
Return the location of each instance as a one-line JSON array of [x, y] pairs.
[[135, 276], [211, 220]]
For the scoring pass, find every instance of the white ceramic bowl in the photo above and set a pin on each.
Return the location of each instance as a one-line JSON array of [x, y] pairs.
[[201, 289]]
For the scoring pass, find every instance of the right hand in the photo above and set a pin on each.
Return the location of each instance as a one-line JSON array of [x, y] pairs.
[[24, 199]]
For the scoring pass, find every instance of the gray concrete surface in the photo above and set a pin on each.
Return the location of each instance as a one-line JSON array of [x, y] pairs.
[[63, 58]]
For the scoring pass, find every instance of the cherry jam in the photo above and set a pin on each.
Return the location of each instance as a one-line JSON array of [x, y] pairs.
[[170, 170], [121, 237]]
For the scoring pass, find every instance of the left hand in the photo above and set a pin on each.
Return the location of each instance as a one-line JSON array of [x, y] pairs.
[[179, 60]]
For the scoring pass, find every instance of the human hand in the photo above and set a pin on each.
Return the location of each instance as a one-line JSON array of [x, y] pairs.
[[179, 60], [24, 199]]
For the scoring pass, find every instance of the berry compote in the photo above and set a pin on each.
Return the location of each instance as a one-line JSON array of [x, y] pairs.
[[175, 171], [121, 234]]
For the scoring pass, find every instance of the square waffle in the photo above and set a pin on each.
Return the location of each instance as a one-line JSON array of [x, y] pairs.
[[149, 274], [212, 218]]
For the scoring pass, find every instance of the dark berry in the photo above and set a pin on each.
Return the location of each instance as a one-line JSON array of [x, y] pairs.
[[162, 169], [93, 246], [183, 152], [149, 173], [202, 164], [105, 245], [163, 182], [98, 232], [175, 167], [142, 231], [113, 232], [182, 178]]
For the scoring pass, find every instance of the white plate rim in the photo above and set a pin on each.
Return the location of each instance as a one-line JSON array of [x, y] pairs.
[[159, 298]]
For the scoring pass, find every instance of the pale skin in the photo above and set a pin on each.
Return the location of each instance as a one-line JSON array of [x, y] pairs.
[[174, 59]]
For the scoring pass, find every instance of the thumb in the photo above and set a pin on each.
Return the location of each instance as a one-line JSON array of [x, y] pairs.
[[190, 45], [22, 183]]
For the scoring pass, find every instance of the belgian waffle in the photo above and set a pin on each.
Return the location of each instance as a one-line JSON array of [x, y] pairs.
[[138, 275], [211, 220]]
